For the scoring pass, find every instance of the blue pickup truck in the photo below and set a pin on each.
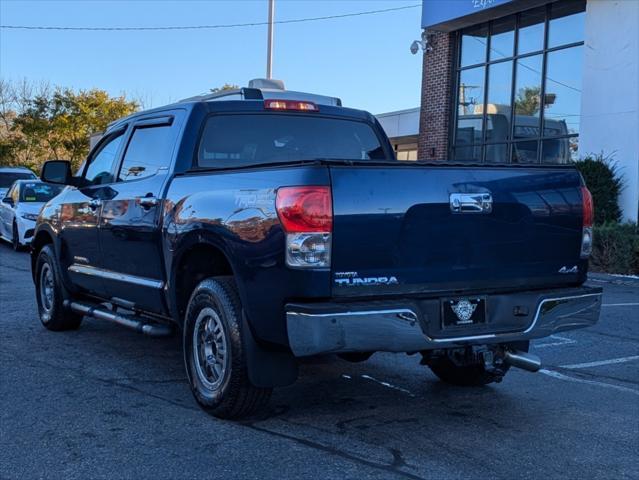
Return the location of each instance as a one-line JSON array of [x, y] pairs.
[[268, 225]]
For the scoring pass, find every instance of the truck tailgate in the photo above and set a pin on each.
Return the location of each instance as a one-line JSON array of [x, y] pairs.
[[419, 228]]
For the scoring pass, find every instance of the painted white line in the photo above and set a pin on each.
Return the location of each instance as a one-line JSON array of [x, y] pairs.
[[635, 304], [388, 385], [561, 376], [601, 362], [561, 341], [348, 377]]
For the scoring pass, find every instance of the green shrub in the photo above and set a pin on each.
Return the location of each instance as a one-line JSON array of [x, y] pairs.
[[616, 248], [603, 181]]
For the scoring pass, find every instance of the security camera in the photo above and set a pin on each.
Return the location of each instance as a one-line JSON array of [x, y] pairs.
[[414, 47]]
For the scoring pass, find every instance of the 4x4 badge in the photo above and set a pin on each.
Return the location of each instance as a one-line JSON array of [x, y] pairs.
[[573, 269]]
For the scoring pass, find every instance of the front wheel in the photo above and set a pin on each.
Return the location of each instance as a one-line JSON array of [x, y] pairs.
[[214, 356], [15, 239], [51, 294]]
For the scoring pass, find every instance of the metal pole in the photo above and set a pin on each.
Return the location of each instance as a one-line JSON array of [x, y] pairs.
[[269, 48]]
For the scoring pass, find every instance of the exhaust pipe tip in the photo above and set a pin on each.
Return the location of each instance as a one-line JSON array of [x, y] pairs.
[[524, 360]]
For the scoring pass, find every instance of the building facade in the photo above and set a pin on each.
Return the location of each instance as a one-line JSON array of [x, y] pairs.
[[529, 82]]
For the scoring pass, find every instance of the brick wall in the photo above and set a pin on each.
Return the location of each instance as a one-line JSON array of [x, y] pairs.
[[436, 91]]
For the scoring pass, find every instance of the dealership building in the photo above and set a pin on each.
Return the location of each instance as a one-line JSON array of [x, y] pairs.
[[527, 81]]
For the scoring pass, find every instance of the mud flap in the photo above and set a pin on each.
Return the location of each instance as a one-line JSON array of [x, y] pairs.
[[266, 368]]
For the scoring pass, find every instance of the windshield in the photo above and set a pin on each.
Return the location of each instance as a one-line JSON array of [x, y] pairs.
[[38, 192], [7, 178], [237, 140]]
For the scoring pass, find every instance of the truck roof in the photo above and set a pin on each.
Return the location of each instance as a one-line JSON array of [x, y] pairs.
[[251, 99]]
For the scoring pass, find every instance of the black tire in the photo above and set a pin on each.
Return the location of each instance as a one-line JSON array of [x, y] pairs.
[[214, 355], [465, 376], [15, 238], [51, 294]]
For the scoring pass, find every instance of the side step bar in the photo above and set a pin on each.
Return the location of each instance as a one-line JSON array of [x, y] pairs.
[[129, 321]]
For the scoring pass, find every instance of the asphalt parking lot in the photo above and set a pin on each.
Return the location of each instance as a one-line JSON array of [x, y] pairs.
[[104, 402]]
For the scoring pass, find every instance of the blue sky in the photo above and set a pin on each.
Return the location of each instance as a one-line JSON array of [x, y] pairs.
[[365, 60]]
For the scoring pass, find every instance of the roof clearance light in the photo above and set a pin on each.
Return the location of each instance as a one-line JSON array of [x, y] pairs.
[[290, 105]]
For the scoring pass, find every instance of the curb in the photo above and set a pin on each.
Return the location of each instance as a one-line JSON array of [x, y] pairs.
[[631, 281]]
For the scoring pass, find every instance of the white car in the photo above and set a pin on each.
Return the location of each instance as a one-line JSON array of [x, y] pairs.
[[8, 175], [20, 208]]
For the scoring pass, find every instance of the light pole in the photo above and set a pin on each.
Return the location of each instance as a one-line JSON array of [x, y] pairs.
[[269, 47]]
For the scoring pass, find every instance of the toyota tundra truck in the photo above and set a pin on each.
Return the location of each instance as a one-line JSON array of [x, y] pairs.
[[268, 225]]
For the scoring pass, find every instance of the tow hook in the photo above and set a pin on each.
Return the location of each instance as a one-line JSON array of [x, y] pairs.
[[523, 360]]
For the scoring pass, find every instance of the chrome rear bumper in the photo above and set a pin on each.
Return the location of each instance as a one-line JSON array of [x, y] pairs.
[[332, 328]]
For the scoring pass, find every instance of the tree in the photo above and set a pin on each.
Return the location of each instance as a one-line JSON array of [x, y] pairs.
[[226, 86], [39, 123], [528, 101]]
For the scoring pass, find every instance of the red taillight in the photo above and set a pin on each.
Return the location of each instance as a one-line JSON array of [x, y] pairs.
[[305, 209], [587, 207], [290, 105]]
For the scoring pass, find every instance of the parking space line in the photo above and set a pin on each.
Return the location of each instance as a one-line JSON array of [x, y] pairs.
[[599, 363], [561, 376], [388, 385], [561, 341], [633, 304]]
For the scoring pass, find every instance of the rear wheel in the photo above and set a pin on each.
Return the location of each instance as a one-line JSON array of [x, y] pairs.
[[214, 356], [51, 294]]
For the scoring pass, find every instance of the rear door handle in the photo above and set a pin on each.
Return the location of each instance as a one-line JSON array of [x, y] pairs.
[[148, 202], [94, 204], [471, 202]]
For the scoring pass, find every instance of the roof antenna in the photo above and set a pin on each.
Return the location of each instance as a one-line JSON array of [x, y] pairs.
[[269, 47]]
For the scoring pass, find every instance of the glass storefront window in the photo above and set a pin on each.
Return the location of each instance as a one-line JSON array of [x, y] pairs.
[[528, 96], [531, 31], [470, 105], [563, 92], [566, 24], [520, 101], [525, 152], [502, 38], [473, 46]]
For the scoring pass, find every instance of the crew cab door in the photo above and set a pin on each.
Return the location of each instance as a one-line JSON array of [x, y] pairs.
[[80, 212], [6, 212], [131, 218]]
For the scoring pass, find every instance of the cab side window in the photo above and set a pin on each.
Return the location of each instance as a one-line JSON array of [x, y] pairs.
[[149, 151], [100, 168]]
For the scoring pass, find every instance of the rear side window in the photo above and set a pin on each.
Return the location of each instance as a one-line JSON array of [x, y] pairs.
[[150, 150], [238, 140]]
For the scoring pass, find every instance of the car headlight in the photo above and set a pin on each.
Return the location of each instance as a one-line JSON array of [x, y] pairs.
[[29, 216]]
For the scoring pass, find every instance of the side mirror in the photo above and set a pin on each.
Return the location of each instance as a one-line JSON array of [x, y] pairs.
[[57, 171], [8, 201]]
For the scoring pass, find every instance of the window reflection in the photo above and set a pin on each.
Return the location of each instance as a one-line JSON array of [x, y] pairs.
[[525, 152], [560, 150], [531, 31], [470, 106], [497, 153], [502, 39], [508, 119], [566, 25], [473, 46], [563, 92], [468, 153], [528, 97]]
